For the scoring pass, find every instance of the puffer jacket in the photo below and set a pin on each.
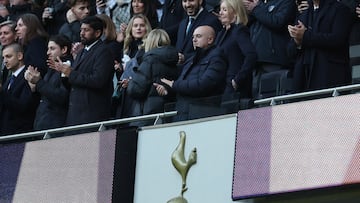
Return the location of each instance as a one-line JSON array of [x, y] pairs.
[[157, 63]]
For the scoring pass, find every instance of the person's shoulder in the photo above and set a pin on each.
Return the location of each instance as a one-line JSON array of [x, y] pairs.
[[165, 54], [214, 52]]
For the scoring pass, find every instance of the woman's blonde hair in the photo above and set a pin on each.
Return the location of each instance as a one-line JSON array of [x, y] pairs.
[[109, 27], [240, 11], [156, 38], [128, 32]]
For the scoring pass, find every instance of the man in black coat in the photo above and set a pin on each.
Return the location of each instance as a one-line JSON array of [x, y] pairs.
[[321, 42], [203, 75], [90, 77], [196, 16], [17, 103]]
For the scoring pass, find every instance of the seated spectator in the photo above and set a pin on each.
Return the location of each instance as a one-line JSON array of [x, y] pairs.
[[159, 61], [203, 75], [17, 103], [234, 41], [79, 9], [53, 107], [321, 47]]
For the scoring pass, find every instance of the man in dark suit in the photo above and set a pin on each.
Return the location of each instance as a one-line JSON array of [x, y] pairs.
[[17, 103], [202, 76], [90, 77], [321, 41], [196, 16]]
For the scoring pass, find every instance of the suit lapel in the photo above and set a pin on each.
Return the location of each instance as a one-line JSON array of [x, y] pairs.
[[194, 25], [16, 81]]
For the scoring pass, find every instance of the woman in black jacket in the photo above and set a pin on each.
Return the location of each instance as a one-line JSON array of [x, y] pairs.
[[33, 38], [159, 61], [234, 41]]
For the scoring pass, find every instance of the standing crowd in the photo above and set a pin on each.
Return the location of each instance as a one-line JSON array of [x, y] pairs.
[[73, 62]]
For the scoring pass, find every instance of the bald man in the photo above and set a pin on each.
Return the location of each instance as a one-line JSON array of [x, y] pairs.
[[203, 74]]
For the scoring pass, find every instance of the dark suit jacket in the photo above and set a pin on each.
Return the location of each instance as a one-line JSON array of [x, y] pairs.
[[184, 42], [241, 58], [91, 86], [323, 60], [18, 107]]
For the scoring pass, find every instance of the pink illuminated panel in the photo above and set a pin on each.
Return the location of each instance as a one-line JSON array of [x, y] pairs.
[[297, 146]]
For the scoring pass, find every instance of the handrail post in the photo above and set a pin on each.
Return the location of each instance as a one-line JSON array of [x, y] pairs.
[[335, 93], [156, 120], [102, 127], [46, 136], [272, 102]]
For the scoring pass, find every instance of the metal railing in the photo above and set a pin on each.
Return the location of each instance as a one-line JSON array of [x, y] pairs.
[[334, 91], [100, 125]]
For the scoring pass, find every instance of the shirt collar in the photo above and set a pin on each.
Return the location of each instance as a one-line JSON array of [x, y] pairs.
[[17, 72], [200, 10], [90, 46]]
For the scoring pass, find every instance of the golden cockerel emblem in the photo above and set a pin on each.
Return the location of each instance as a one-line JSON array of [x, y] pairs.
[[182, 166]]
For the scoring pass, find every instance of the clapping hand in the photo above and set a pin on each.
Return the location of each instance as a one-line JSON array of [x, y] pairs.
[[32, 76], [59, 66], [297, 32]]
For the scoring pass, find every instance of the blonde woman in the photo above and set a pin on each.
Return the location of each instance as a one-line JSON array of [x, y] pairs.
[[159, 61], [234, 40], [135, 33]]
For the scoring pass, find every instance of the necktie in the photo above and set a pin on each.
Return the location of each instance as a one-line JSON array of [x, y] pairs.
[[11, 81], [188, 27], [84, 53]]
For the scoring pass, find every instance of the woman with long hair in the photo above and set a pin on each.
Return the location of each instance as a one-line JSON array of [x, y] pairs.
[[147, 8], [135, 33], [32, 36], [137, 30]]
